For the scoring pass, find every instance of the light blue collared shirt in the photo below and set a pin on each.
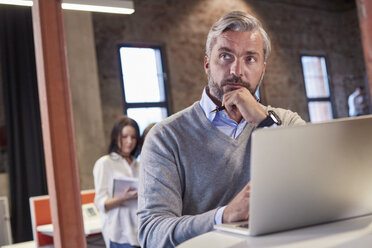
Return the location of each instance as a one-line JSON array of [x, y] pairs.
[[226, 125]]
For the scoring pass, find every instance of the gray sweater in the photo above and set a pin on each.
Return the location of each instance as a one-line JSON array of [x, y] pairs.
[[188, 170]]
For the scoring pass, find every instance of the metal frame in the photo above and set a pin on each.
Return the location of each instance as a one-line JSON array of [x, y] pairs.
[[330, 98], [167, 102]]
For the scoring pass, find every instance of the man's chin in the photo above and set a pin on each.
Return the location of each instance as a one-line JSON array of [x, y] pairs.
[[230, 87]]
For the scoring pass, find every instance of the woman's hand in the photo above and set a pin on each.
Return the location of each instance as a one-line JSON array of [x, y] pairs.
[[128, 194]]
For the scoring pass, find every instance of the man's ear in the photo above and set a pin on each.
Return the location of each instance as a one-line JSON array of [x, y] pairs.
[[206, 64]]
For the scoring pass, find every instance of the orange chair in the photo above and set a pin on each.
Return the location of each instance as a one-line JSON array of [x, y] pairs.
[[40, 215]]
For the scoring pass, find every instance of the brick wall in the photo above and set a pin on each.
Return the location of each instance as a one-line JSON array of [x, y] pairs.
[[182, 27]]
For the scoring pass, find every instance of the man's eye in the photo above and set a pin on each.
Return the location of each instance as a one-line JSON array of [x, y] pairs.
[[225, 56], [251, 59]]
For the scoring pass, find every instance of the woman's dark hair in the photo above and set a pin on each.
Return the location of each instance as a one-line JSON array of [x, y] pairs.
[[147, 130], [144, 134], [116, 132]]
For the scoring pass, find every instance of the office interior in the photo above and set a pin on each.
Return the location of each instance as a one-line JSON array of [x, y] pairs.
[[328, 28]]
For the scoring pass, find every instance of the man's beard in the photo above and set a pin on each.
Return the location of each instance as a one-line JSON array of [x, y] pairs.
[[218, 92]]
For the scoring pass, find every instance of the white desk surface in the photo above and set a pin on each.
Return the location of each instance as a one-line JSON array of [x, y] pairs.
[[356, 232], [90, 227], [28, 244]]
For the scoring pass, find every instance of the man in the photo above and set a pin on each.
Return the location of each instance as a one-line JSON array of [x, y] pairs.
[[195, 164], [358, 103]]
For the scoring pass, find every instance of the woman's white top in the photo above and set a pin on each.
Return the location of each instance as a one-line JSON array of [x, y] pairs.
[[119, 224]]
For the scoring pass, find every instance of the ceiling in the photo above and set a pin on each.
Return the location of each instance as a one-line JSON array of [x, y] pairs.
[[326, 5]]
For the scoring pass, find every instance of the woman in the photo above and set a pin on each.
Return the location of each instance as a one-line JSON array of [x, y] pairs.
[[144, 134], [119, 223]]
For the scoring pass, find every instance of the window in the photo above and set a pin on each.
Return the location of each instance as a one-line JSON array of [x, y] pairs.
[[317, 88], [144, 84]]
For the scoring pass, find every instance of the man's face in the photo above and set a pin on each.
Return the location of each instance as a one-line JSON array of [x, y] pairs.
[[236, 60]]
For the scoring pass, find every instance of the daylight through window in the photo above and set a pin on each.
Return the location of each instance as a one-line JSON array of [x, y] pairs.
[[317, 88], [145, 98]]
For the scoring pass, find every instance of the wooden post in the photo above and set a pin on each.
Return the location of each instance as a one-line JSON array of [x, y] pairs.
[[365, 23], [57, 124]]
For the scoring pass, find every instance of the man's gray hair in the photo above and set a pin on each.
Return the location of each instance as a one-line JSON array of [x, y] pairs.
[[237, 21]]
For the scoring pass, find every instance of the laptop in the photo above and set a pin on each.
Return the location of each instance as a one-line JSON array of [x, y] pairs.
[[308, 175]]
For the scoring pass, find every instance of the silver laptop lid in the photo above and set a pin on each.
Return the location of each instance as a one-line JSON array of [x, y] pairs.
[[310, 174]]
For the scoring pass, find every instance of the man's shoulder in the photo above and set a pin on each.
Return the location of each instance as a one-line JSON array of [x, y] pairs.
[[182, 116], [184, 123]]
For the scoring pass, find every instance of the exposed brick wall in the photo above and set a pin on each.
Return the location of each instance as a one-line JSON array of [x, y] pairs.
[[296, 30], [182, 27]]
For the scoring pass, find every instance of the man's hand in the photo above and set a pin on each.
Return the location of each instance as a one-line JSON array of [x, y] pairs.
[[238, 208], [241, 103]]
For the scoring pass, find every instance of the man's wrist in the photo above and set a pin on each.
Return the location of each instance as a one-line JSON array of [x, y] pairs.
[[271, 119], [219, 215]]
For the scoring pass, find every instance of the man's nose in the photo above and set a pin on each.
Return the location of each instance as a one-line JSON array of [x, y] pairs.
[[236, 68]]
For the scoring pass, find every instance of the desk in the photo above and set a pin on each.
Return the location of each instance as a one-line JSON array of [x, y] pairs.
[[90, 227], [356, 232], [41, 217], [28, 244], [92, 242]]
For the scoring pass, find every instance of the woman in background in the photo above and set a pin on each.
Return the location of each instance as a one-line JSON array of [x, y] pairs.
[[119, 223], [144, 134]]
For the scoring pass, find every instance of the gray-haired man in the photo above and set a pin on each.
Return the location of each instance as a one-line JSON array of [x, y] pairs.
[[195, 164]]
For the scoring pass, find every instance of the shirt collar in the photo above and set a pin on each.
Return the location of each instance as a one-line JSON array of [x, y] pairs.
[[117, 157], [208, 106]]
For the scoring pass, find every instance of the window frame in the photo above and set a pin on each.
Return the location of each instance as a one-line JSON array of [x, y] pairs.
[[165, 104], [330, 98]]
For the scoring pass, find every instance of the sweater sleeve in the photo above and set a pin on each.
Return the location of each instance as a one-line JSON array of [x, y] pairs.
[[288, 117], [160, 202]]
